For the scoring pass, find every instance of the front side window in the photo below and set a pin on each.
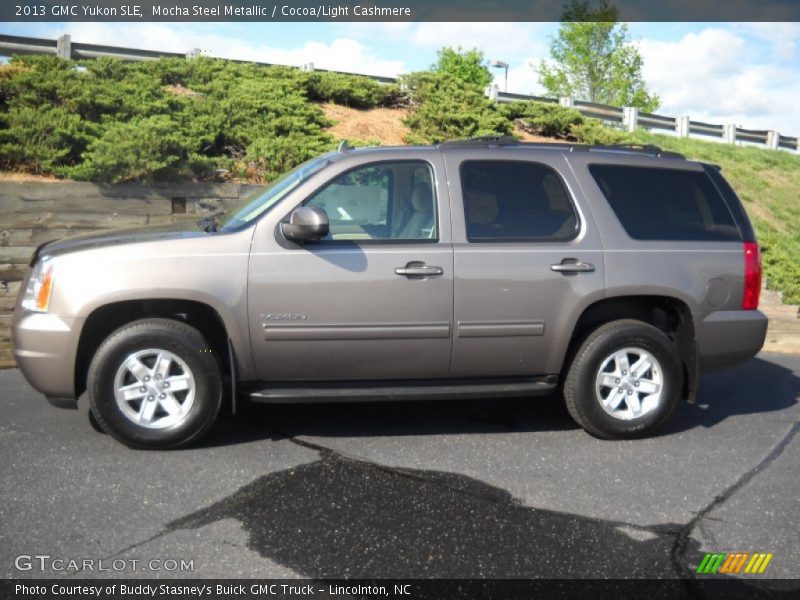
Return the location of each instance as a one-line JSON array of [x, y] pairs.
[[516, 200], [380, 201]]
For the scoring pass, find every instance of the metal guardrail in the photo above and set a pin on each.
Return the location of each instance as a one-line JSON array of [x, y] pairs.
[[612, 114], [630, 118], [653, 121], [64, 47]]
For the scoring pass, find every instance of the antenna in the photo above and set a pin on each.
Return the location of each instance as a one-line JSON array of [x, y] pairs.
[[343, 146]]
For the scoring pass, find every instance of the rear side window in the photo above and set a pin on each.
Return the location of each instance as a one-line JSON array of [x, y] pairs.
[[515, 201], [666, 204]]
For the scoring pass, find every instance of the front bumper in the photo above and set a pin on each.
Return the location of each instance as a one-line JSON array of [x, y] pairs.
[[727, 337], [45, 347]]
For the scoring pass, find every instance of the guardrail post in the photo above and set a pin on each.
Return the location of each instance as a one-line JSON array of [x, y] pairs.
[[566, 101], [64, 46], [492, 92], [773, 140], [630, 117], [682, 126], [729, 134]]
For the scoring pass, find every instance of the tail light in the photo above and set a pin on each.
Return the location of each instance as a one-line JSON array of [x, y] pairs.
[[752, 276]]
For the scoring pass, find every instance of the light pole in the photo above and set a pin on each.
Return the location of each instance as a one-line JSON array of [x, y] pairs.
[[499, 64]]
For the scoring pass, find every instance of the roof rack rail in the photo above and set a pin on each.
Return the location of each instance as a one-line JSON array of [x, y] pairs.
[[484, 140], [488, 141], [649, 149]]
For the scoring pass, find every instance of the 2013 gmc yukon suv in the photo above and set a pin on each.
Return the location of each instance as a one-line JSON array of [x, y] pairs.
[[480, 268]]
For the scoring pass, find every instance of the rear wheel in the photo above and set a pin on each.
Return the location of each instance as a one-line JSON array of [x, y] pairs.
[[155, 384], [624, 381]]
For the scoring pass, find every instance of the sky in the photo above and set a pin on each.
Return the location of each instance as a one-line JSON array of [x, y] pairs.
[[747, 74]]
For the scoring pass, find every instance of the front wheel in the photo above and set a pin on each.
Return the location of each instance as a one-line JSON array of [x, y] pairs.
[[155, 384], [624, 381]]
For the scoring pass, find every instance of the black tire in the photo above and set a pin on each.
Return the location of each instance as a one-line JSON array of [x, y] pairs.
[[184, 343], [88, 420], [580, 392]]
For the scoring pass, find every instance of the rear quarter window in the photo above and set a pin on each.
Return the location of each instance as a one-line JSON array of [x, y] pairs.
[[666, 204]]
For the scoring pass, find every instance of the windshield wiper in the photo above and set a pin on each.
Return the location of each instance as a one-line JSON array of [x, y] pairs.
[[209, 224]]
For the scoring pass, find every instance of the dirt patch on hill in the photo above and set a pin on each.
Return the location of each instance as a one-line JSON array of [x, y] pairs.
[[529, 137], [27, 177], [384, 124]]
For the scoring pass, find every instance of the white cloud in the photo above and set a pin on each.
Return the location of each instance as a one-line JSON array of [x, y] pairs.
[[499, 40], [503, 41], [782, 38], [711, 75], [342, 54], [518, 44], [522, 79]]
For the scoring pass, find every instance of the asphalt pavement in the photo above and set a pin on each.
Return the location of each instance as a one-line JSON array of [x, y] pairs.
[[503, 488]]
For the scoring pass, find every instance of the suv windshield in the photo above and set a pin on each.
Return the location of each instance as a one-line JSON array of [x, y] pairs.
[[255, 205]]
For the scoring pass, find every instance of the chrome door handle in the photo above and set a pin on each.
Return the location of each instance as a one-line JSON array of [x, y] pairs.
[[418, 271], [572, 267]]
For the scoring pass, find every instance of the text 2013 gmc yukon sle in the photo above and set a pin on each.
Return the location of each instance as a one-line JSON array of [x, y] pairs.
[[481, 268]]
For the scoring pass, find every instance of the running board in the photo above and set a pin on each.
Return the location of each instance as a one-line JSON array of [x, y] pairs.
[[287, 393]]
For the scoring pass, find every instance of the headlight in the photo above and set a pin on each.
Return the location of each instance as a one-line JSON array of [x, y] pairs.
[[40, 288]]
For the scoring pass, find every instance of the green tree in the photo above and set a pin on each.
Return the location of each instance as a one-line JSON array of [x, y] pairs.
[[465, 66], [593, 58]]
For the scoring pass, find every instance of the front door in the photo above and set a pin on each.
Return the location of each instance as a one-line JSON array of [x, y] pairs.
[[374, 299]]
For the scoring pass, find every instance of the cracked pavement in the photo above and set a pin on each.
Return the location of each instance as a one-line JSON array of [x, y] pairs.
[[503, 488]]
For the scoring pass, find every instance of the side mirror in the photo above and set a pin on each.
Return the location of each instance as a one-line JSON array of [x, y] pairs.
[[306, 223]]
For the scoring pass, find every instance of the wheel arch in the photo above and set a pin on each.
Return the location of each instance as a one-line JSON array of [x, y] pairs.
[[105, 319], [669, 314]]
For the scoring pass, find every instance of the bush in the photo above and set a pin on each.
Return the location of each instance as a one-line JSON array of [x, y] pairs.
[[143, 148], [543, 118], [446, 109], [270, 156], [41, 139], [113, 121], [351, 90], [465, 66], [594, 133]]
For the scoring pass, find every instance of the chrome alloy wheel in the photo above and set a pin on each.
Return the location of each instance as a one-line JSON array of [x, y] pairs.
[[629, 384], [154, 388]]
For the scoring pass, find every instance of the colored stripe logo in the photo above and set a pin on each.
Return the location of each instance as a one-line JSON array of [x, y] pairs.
[[734, 563]]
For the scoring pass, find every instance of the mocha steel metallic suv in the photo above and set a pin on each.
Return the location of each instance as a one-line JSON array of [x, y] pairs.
[[482, 268]]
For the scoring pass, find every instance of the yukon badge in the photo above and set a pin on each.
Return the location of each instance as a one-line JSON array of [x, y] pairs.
[[284, 317]]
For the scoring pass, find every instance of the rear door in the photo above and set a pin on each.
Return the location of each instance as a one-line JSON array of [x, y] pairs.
[[527, 260]]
